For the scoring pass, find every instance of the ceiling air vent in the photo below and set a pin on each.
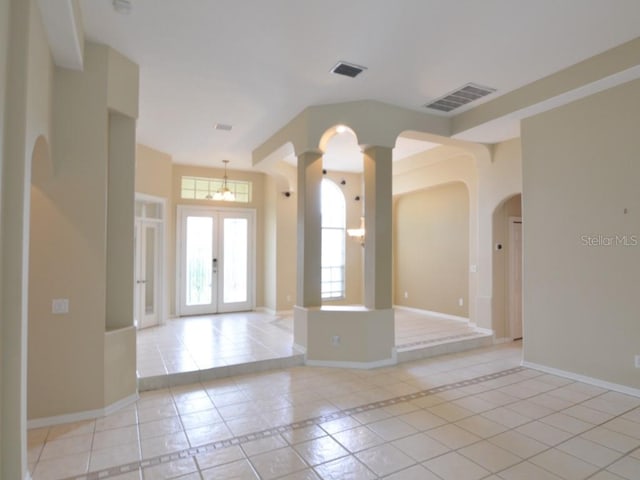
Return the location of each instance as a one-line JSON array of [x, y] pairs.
[[222, 126], [347, 69], [460, 97]]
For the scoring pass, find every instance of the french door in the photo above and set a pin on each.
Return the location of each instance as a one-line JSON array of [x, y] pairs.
[[216, 260], [149, 232]]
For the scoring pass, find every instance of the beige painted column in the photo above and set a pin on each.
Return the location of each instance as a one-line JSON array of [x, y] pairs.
[[309, 229], [14, 245], [378, 228]]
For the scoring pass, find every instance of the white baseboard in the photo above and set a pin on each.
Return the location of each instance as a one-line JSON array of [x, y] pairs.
[[81, 416], [498, 341], [356, 365], [271, 311], [266, 310], [444, 316], [635, 392]]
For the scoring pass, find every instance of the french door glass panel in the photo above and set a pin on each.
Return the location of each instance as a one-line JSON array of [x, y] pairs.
[[147, 279], [149, 269], [235, 261], [199, 258]]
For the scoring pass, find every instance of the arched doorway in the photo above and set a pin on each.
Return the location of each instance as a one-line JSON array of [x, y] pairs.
[[39, 312], [507, 269]]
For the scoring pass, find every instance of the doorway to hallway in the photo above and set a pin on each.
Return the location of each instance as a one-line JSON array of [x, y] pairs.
[[514, 309], [216, 266]]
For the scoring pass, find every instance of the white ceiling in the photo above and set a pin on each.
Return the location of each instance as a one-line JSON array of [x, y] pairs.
[[255, 64]]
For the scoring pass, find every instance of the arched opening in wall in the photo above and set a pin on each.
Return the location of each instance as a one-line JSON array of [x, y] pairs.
[[431, 263], [41, 306], [342, 209], [507, 269]]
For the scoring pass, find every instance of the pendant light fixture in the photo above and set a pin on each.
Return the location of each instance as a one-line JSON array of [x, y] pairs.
[[224, 193]]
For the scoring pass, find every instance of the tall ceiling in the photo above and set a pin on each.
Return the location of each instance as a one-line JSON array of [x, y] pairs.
[[255, 64]]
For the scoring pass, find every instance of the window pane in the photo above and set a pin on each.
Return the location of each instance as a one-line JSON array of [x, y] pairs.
[[333, 205], [333, 240], [199, 258], [201, 188], [332, 247]]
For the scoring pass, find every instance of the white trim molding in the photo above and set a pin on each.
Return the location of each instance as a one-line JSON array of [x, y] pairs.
[[355, 365], [80, 416], [635, 392]]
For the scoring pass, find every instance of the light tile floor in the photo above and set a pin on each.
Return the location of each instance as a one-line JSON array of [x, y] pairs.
[[199, 343], [465, 416]]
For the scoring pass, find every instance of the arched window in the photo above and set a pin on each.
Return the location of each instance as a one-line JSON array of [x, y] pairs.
[[333, 210]]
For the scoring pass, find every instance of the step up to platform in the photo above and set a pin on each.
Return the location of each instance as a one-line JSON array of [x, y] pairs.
[[443, 345], [182, 378]]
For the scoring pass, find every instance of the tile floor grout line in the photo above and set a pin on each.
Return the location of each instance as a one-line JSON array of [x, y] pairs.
[[240, 439], [549, 447]]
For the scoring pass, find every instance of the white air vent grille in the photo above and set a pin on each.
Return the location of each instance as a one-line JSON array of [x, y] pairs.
[[460, 97], [222, 126]]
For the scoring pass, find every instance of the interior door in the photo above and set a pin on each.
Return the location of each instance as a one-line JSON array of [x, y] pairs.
[[515, 278], [147, 254], [216, 260]]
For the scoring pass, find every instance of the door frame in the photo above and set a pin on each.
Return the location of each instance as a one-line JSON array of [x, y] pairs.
[[512, 221], [162, 255], [180, 245]]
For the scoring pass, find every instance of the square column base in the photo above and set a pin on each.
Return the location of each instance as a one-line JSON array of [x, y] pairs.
[[345, 336]]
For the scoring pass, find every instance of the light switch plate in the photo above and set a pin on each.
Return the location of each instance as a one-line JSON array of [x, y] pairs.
[[60, 306]]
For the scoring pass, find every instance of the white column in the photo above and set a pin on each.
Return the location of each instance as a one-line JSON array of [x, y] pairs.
[[309, 230], [378, 228]]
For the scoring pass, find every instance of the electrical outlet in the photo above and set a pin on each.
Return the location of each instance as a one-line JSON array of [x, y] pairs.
[[406, 295], [289, 298], [60, 306], [335, 340], [637, 361], [460, 302]]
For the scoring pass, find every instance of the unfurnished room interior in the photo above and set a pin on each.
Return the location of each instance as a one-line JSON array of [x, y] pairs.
[[318, 240]]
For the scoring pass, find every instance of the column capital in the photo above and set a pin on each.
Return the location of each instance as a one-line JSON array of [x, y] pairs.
[[309, 152]]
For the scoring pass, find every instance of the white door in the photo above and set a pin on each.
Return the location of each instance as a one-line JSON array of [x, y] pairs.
[[515, 278], [216, 260], [147, 260]]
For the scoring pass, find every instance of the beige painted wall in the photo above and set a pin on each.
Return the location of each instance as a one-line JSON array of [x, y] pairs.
[[270, 243], [431, 249], [280, 248], [4, 42], [26, 105], [70, 245], [501, 264], [581, 170], [286, 252], [154, 172]]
